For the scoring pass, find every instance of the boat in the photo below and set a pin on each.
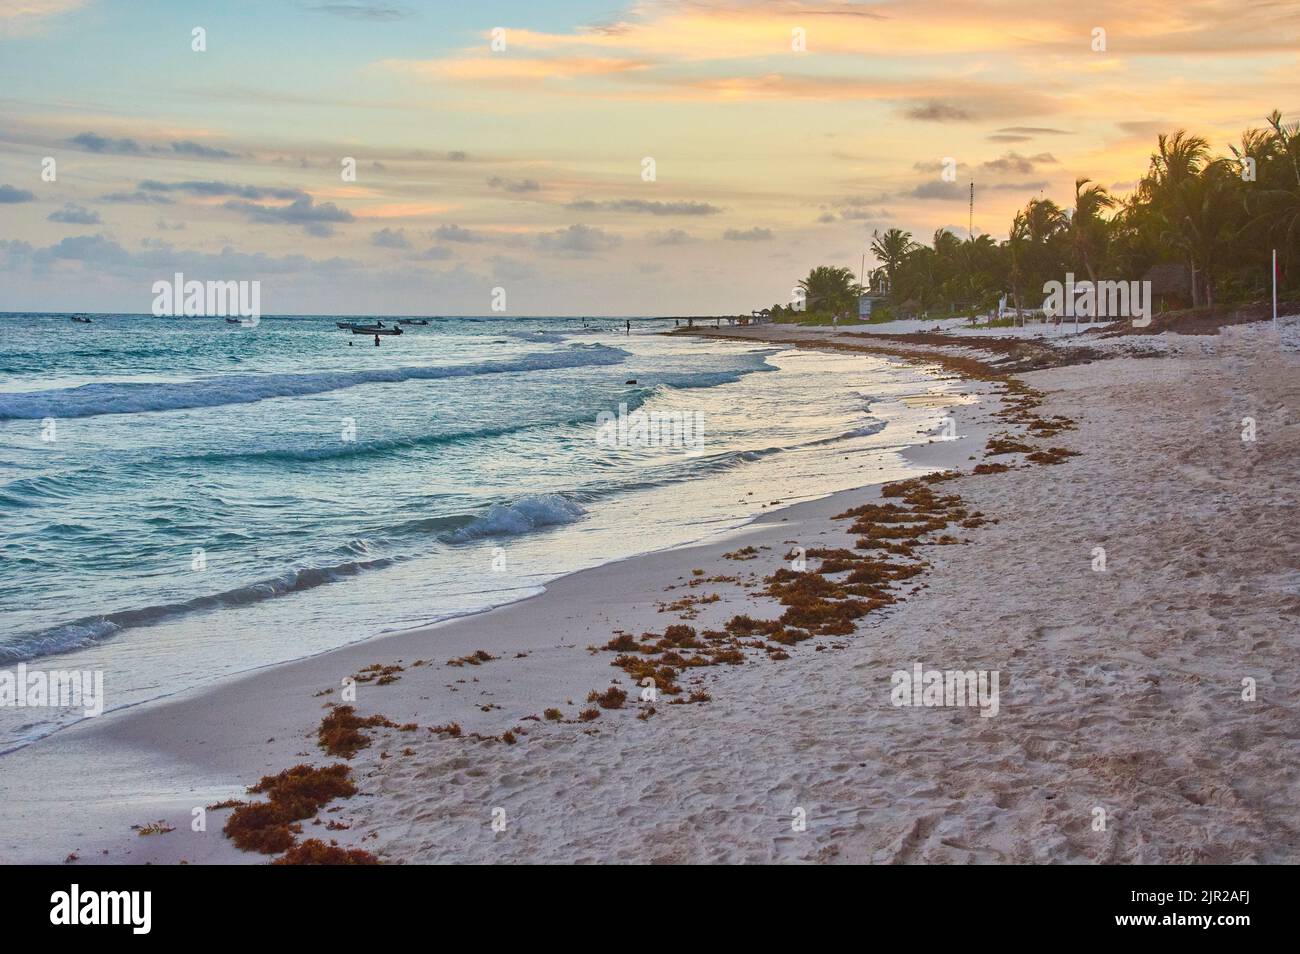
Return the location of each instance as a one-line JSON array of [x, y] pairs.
[[345, 325], [82, 320], [233, 321], [412, 321], [378, 329]]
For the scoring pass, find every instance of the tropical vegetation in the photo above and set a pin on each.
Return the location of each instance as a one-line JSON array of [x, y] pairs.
[[1211, 221]]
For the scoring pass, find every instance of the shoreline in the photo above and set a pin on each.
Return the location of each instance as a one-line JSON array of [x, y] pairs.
[[682, 785], [424, 572], [155, 743]]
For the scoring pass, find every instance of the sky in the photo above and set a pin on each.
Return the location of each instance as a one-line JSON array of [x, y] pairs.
[[694, 157]]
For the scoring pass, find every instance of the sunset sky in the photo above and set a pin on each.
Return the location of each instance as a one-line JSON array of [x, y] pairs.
[[522, 168]]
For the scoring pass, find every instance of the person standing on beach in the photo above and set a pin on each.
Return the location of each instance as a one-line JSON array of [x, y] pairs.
[[629, 327]]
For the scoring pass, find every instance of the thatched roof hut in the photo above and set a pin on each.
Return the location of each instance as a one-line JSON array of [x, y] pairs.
[[1171, 286]]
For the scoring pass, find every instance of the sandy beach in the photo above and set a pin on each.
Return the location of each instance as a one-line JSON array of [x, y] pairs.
[[668, 432], [1121, 673]]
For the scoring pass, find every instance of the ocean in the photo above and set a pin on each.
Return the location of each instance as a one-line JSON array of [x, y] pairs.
[[186, 499]]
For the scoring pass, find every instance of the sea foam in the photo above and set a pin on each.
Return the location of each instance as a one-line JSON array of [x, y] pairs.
[[519, 516], [89, 400]]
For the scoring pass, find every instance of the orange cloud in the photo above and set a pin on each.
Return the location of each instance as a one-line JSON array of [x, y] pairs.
[[729, 29]]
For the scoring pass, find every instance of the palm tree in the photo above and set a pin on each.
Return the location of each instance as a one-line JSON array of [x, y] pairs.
[[1190, 196], [1189, 208], [983, 272], [890, 249], [1087, 228], [1278, 203], [1037, 246], [1018, 248], [831, 289], [1256, 144], [1177, 159], [948, 266], [1199, 223], [918, 277], [946, 244], [1044, 219]]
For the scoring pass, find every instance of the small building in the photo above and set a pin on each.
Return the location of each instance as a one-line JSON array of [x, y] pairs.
[[1171, 286], [867, 303]]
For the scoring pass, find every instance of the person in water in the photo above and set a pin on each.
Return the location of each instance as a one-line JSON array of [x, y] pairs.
[[629, 327], [376, 341]]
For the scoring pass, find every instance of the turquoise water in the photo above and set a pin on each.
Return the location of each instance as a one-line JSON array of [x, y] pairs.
[[185, 498]]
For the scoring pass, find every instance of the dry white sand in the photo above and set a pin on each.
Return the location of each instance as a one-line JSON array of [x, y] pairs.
[[1121, 690]]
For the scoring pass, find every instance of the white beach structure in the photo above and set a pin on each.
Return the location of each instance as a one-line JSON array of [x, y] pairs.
[[867, 302]]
